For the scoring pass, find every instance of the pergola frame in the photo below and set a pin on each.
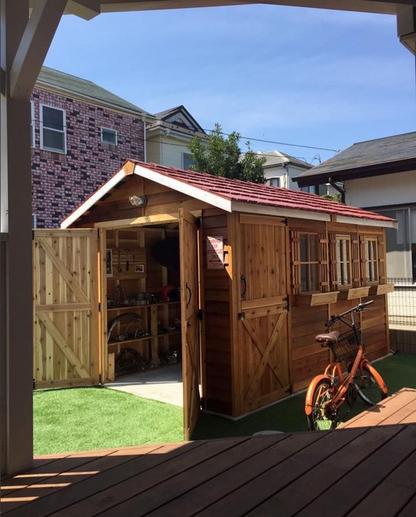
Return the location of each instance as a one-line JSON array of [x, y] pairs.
[[27, 30]]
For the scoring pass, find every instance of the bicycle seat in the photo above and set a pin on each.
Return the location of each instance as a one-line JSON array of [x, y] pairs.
[[327, 339]]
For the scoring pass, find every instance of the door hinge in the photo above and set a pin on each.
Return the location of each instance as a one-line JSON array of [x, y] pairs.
[[99, 307], [286, 299], [200, 314]]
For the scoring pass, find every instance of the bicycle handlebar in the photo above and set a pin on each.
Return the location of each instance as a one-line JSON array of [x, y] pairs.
[[358, 308]]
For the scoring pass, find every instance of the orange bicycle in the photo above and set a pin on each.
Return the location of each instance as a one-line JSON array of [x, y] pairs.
[[328, 392]]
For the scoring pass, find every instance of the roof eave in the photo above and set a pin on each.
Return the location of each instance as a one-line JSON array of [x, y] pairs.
[[185, 188], [94, 100], [357, 172]]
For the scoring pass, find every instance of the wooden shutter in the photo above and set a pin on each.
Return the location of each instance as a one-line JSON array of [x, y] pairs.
[[323, 257], [295, 261]]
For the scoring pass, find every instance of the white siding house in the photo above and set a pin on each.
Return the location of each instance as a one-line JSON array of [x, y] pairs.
[[380, 175]]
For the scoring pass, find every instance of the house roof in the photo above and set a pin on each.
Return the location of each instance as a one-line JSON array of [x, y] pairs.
[[233, 195], [68, 83], [276, 158], [177, 118], [370, 158]]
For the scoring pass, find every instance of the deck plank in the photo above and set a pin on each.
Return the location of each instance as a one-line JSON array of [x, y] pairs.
[[218, 487], [361, 471], [254, 493], [359, 482], [102, 500], [79, 468], [392, 494], [317, 481], [162, 495], [386, 409], [409, 510], [102, 480]]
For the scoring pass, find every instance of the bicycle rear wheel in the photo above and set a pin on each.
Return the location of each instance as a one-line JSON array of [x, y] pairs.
[[323, 416], [369, 384]]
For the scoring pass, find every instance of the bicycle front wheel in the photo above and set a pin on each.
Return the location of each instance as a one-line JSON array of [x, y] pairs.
[[370, 385], [323, 416]]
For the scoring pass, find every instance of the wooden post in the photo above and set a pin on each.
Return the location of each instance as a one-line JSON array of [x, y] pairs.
[[16, 270]]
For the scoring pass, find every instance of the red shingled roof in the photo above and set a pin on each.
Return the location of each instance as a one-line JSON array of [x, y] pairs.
[[236, 190]]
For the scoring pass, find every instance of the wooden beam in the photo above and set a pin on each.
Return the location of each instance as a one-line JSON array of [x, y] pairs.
[[34, 45], [138, 221], [86, 9]]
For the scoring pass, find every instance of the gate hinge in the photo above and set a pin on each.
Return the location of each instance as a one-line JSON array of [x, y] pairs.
[[200, 314], [242, 316], [286, 299]]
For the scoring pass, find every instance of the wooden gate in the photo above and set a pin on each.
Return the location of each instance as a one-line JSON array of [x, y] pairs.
[[65, 281], [190, 322], [263, 329]]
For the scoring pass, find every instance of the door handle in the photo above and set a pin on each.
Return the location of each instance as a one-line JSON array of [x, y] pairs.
[[243, 292], [190, 294]]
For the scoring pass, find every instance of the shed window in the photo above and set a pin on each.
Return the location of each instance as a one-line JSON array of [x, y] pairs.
[[343, 257], [309, 262], [371, 259], [108, 136], [52, 129]]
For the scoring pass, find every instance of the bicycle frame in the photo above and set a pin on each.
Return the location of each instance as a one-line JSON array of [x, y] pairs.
[[333, 371]]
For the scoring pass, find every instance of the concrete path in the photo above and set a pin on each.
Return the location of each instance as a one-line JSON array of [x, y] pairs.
[[163, 384]]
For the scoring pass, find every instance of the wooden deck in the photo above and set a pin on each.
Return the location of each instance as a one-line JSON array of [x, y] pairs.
[[354, 472], [399, 408]]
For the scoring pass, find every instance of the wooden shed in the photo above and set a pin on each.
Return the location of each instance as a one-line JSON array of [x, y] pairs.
[[260, 269]]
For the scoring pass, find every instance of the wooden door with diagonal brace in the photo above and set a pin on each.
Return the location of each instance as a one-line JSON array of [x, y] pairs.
[[190, 321], [66, 311], [263, 326]]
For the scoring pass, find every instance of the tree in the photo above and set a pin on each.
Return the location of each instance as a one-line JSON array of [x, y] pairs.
[[222, 156]]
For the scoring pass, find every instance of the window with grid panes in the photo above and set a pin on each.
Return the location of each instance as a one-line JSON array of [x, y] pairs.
[[52, 129], [343, 251], [371, 259], [309, 262]]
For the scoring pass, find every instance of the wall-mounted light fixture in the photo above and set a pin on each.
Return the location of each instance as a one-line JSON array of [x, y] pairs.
[[138, 200]]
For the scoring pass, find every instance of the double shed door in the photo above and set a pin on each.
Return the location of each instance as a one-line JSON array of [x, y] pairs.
[[263, 344], [66, 309]]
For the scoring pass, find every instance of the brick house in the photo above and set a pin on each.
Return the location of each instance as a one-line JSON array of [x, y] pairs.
[[81, 134]]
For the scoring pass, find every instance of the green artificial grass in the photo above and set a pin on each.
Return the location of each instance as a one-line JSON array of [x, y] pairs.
[[78, 419], [398, 371]]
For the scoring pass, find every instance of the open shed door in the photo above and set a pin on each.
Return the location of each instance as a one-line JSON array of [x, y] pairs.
[[263, 328], [190, 322], [65, 305]]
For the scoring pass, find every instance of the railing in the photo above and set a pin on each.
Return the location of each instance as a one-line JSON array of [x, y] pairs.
[[402, 302]]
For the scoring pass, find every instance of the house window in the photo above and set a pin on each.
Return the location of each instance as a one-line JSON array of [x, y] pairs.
[[32, 124], [371, 259], [52, 129], [310, 189], [309, 263], [108, 136], [274, 182], [343, 251], [187, 160]]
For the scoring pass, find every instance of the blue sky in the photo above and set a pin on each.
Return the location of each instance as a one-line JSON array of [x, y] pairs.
[[304, 76]]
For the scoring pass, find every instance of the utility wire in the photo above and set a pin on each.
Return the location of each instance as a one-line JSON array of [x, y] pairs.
[[280, 143], [259, 153]]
